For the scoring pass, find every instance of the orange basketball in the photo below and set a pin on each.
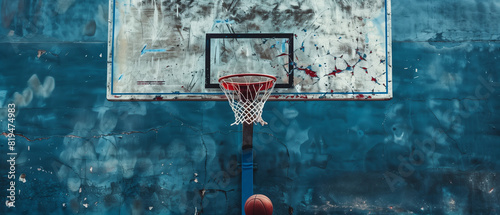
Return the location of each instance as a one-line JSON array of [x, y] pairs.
[[258, 204]]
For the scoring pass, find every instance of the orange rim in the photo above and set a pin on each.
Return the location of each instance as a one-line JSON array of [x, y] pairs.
[[257, 86]]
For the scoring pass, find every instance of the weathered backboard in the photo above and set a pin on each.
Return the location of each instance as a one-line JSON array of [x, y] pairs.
[[317, 49]]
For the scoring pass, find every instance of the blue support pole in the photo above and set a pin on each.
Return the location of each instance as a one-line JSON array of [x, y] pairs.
[[246, 165], [246, 177]]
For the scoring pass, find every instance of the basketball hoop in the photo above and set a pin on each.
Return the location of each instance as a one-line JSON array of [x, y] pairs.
[[247, 94]]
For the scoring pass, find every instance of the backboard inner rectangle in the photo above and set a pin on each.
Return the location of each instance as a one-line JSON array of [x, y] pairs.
[[229, 54]]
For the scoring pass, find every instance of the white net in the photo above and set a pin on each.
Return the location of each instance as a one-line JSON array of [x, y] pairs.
[[247, 94]]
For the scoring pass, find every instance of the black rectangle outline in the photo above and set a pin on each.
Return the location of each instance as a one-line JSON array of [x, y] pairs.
[[288, 36]]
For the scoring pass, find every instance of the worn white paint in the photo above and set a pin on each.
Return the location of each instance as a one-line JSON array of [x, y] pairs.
[[327, 35]]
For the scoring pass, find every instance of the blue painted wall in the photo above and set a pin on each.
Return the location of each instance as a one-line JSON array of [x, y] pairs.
[[433, 149]]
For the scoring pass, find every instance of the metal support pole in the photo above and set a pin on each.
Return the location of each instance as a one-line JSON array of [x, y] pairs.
[[246, 165]]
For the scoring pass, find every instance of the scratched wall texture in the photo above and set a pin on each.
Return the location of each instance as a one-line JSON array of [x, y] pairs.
[[433, 149]]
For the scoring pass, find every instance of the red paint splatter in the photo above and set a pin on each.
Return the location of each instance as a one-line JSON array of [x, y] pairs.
[[309, 72], [335, 71], [374, 79], [366, 69], [158, 98], [360, 96], [369, 97], [331, 91], [281, 55]]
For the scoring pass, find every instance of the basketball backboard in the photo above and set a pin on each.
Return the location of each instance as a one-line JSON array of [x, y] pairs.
[[317, 50]]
